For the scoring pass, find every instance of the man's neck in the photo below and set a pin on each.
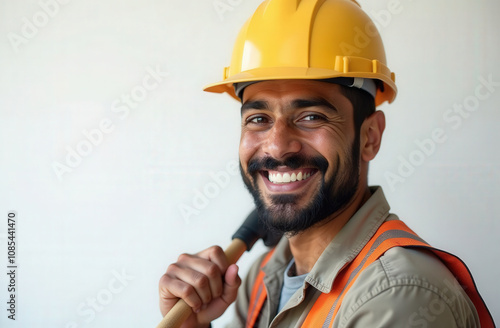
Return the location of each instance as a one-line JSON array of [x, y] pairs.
[[307, 246]]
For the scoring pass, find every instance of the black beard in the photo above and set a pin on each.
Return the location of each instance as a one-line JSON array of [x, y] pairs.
[[283, 215]]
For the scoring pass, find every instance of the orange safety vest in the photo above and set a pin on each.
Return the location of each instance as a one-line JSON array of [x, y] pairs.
[[390, 234]]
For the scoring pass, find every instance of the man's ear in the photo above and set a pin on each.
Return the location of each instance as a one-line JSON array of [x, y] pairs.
[[371, 135]]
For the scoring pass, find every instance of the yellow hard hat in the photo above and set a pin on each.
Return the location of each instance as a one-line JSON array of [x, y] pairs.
[[308, 39]]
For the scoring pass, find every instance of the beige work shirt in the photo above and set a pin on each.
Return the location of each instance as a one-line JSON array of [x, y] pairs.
[[403, 288]]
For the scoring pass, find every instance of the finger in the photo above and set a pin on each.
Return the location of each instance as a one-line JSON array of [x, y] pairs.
[[216, 255], [219, 305], [202, 274], [199, 281], [171, 289]]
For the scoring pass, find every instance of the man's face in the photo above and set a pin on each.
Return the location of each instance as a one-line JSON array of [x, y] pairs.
[[299, 155]]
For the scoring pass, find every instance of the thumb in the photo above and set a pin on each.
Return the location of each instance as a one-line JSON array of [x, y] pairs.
[[231, 284]]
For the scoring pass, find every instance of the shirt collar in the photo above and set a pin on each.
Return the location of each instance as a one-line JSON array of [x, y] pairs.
[[343, 248]]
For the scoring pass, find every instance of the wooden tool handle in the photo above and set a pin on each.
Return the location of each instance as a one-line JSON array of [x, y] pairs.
[[181, 311]]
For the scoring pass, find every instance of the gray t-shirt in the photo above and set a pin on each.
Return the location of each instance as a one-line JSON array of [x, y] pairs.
[[290, 285]]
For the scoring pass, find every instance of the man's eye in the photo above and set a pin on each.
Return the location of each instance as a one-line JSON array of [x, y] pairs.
[[312, 117], [257, 120]]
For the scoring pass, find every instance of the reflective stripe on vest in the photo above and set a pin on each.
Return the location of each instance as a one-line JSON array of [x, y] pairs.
[[259, 294], [390, 234]]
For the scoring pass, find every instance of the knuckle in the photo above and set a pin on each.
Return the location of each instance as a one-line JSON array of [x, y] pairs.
[[188, 294], [172, 268], [212, 270], [163, 280], [200, 281], [183, 257], [216, 250], [186, 291]]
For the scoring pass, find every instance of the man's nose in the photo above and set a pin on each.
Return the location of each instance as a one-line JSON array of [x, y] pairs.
[[282, 141]]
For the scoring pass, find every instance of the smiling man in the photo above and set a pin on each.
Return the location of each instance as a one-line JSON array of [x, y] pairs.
[[300, 153], [309, 75]]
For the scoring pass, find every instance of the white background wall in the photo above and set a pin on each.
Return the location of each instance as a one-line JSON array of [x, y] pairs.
[[116, 210]]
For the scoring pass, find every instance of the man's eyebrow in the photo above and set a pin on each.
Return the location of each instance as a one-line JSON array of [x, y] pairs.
[[295, 104], [258, 104], [313, 102]]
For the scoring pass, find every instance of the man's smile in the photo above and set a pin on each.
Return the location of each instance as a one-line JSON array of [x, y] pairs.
[[286, 179]]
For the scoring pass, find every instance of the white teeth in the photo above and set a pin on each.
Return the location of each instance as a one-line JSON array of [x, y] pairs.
[[279, 178]]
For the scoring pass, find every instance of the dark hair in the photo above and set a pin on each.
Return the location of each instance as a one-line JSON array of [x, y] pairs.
[[363, 105]]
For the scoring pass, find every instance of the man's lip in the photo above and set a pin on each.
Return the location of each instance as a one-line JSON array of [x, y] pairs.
[[273, 179]]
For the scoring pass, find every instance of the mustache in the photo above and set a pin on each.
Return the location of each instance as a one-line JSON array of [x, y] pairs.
[[294, 162]]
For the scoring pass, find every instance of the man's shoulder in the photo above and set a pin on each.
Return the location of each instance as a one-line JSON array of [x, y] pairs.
[[410, 286], [401, 266]]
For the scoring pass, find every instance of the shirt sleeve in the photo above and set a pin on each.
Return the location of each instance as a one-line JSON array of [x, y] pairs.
[[408, 306], [407, 288]]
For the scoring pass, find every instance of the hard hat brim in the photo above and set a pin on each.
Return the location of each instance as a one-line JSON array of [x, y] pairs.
[[302, 73]]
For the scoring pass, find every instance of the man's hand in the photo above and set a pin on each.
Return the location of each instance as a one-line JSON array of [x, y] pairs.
[[204, 281]]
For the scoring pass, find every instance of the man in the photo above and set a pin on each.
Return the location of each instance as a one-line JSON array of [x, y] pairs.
[[309, 74]]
